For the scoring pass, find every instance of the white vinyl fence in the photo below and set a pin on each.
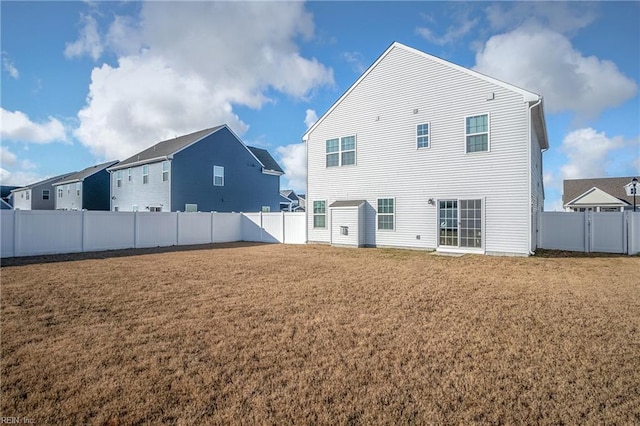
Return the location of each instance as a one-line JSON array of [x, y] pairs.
[[610, 232], [36, 232]]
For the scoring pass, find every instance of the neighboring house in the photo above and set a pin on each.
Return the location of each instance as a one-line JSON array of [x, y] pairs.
[[5, 195], [599, 194], [423, 153], [87, 189], [290, 201], [209, 170], [37, 196], [302, 202]]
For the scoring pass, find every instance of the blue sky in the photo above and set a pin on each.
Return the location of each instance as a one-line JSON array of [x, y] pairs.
[[86, 82]]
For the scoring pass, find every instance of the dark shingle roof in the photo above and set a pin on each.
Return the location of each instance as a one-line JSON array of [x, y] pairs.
[[289, 193], [266, 159], [44, 182], [168, 147], [80, 176], [573, 188]]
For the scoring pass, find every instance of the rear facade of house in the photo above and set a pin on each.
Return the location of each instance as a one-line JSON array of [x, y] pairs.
[[37, 196], [210, 170], [434, 155], [84, 190]]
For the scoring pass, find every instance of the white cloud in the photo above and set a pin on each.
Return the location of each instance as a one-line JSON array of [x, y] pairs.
[[452, 34], [89, 41], [8, 66], [18, 127], [356, 61], [568, 80], [186, 66], [293, 159], [310, 118], [19, 178], [563, 17], [7, 158], [593, 154]]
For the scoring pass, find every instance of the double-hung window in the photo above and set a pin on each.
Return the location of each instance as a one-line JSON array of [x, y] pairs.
[[45, 194], [477, 133], [60, 192], [340, 151], [386, 214], [165, 171], [319, 214], [129, 174], [119, 178], [78, 186], [218, 176], [422, 135], [145, 174], [27, 195]]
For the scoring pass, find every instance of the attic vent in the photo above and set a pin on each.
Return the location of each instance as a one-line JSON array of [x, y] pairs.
[[415, 111], [491, 96]]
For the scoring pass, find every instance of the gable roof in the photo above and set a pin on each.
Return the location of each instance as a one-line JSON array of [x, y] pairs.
[[574, 188], [596, 197], [289, 194], [82, 175], [527, 95], [162, 150], [4, 205], [268, 163], [48, 181]]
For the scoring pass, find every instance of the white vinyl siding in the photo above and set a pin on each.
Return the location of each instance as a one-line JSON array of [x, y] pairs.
[[380, 111], [142, 195]]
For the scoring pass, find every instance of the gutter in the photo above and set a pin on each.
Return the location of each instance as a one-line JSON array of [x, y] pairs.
[[138, 163], [529, 213]]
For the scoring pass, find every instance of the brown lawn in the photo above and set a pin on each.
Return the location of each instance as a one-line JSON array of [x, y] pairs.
[[277, 334]]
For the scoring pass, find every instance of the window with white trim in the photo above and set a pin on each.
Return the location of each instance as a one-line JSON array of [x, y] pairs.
[[218, 176], [319, 214], [145, 174], [422, 135], [191, 208], [46, 194], [119, 178], [340, 151], [477, 133], [78, 186], [386, 214], [60, 192], [155, 209], [27, 195], [165, 171], [129, 174]]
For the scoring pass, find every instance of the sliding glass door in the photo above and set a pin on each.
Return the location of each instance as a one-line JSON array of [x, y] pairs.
[[460, 223]]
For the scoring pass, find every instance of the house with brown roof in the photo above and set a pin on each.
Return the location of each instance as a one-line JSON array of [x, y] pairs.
[[598, 194]]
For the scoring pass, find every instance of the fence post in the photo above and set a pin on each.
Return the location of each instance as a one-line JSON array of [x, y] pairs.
[[135, 229], [16, 232], [283, 228], [177, 228], [84, 232], [587, 232], [261, 228]]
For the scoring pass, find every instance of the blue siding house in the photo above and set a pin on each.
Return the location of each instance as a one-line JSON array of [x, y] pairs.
[[84, 190], [209, 170]]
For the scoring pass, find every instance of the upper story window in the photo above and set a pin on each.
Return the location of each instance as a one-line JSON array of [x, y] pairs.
[[340, 151], [60, 192], [27, 195], [218, 176], [129, 174], [477, 133], [319, 214], [78, 186], [422, 135], [68, 188], [119, 178], [145, 174], [386, 213], [46, 194], [165, 171]]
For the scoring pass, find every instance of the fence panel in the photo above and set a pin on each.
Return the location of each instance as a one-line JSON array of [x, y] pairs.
[[227, 227], [48, 232], [194, 228], [295, 228], [251, 227], [633, 233], [109, 230], [7, 227], [272, 224], [155, 229], [562, 231], [608, 232]]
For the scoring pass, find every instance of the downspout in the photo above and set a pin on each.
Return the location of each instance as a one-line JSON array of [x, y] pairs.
[[530, 139]]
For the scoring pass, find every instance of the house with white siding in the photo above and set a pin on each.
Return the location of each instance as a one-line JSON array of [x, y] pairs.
[[36, 196], [423, 153], [208, 170], [87, 189]]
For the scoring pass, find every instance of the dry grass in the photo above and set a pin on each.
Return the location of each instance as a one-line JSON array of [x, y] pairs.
[[318, 335]]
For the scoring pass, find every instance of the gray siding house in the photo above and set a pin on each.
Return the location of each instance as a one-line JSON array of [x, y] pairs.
[[87, 189], [37, 196], [429, 155], [209, 170]]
